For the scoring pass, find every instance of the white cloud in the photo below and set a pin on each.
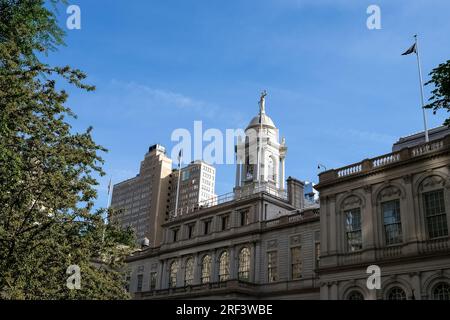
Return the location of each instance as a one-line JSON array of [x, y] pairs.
[[144, 96]]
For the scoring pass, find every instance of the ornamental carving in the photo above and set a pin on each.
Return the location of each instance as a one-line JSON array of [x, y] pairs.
[[352, 201], [390, 192], [407, 178], [271, 244], [368, 189], [431, 182], [295, 240]]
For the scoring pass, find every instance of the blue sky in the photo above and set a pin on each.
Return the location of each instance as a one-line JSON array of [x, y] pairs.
[[338, 91]]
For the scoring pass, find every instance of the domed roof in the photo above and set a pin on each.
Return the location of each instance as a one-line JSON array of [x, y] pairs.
[[265, 119]]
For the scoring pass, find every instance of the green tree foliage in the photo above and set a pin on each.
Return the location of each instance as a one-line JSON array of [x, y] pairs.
[[47, 184], [440, 95]]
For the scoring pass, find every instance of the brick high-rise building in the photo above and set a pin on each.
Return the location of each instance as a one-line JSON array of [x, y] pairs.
[[142, 200]]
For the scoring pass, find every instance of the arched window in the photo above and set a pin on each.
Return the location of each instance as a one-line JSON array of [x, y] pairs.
[[396, 293], [244, 264], [189, 272], [224, 267], [206, 269], [355, 295], [441, 291], [173, 274]]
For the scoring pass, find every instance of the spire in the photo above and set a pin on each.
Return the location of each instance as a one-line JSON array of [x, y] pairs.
[[262, 102]]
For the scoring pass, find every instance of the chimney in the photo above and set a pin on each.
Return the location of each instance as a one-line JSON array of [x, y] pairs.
[[295, 190]]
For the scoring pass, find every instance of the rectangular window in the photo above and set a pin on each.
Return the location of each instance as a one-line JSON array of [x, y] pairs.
[[272, 270], [225, 222], [175, 235], [244, 218], [296, 263], [190, 231], [185, 175], [152, 284], [207, 226], [127, 281], [435, 215], [353, 229], [392, 222], [140, 277]]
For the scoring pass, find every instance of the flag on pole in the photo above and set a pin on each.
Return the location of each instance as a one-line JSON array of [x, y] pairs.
[[180, 156], [412, 49]]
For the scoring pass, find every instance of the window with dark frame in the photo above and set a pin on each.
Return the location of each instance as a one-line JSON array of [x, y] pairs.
[[244, 217], [189, 272], [244, 264], [190, 231], [174, 235], [140, 278], [396, 293], [225, 222], [206, 269], [435, 215], [353, 229], [206, 226], [392, 222], [224, 267], [355, 295], [272, 270], [152, 283], [173, 274], [441, 291]]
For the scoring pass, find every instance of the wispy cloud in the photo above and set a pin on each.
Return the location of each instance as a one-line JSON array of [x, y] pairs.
[[149, 97]]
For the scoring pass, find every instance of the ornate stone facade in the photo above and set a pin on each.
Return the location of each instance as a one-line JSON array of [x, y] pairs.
[[400, 203]]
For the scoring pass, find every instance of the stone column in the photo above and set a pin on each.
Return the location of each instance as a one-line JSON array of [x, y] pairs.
[[324, 291], [256, 262], [334, 291], [409, 216], [282, 173], [238, 174], [233, 263], [197, 269], [324, 214], [160, 278], [368, 221], [165, 275], [214, 266], [334, 224]]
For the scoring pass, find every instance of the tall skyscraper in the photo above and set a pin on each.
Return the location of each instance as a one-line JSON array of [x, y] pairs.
[[142, 201], [197, 185]]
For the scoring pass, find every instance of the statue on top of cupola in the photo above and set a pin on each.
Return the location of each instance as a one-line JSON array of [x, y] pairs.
[[262, 102]]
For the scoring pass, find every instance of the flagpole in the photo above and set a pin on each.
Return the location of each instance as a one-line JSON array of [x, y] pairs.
[[421, 90], [180, 155], [107, 206], [108, 200]]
